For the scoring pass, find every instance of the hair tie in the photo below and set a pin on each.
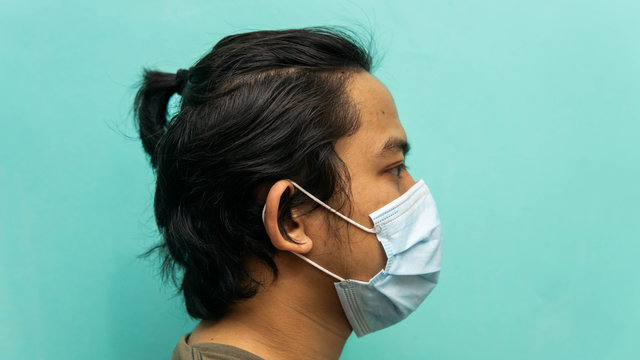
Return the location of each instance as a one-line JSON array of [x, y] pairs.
[[182, 76]]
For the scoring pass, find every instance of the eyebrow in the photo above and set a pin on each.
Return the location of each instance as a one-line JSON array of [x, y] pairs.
[[394, 144]]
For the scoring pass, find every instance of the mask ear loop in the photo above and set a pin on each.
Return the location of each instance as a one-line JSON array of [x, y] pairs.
[[317, 266], [372, 230]]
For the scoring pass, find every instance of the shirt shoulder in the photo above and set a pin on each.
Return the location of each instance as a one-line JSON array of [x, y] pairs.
[[209, 351]]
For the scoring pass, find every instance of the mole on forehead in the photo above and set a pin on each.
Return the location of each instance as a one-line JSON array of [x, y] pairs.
[[379, 111]]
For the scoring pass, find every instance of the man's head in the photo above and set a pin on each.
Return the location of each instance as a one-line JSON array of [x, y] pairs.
[[259, 108]]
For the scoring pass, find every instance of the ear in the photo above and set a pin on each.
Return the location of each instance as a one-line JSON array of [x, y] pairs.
[[294, 227]]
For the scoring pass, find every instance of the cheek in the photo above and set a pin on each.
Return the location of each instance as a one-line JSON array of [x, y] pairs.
[[348, 251], [365, 255]]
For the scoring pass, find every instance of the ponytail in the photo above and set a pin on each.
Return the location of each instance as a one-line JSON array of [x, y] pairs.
[[150, 106]]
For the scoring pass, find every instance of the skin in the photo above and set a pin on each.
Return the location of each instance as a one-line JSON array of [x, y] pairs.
[[299, 315]]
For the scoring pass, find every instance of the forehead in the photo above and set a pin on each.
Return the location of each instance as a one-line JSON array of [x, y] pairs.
[[379, 120]]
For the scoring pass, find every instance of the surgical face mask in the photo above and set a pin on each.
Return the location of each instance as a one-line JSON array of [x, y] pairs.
[[408, 229]]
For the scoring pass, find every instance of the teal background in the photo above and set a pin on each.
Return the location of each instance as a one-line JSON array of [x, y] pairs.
[[525, 123]]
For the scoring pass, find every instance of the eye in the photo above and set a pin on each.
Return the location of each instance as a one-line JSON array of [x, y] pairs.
[[397, 170]]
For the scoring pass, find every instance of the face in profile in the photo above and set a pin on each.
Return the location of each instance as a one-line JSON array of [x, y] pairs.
[[375, 158]]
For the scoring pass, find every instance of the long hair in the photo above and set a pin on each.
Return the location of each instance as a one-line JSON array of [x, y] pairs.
[[260, 107]]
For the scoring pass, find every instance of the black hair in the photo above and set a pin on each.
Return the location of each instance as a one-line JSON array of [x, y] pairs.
[[260, 107]]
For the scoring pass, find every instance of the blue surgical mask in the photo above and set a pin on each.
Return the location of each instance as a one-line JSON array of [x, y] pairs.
[[408, 229]]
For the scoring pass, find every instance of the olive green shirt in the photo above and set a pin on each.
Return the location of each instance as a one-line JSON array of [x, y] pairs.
[[209, 351]]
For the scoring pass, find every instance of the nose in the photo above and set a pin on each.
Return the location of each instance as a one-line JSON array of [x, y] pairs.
[[407, 182]]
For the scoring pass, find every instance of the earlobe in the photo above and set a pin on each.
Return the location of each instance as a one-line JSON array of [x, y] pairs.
[[293, 226]]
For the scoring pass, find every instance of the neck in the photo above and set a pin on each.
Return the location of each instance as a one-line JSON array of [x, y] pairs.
[[297, 316]]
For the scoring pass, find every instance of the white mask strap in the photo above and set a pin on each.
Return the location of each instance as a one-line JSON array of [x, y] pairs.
[[372, 230], [318, 266]]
